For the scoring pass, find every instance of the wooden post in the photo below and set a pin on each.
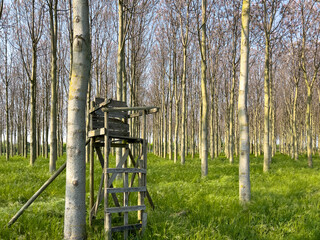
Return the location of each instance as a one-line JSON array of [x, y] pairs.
[[91, 160], [34, 197], [107, 216], [143, 164], [107, 226], [144, 223], [126, 197]]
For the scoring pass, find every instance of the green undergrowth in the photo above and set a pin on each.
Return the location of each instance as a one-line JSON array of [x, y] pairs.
[[285, 202]]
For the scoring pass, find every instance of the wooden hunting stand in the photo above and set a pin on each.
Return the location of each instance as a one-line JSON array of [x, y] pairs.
[[108, 127]]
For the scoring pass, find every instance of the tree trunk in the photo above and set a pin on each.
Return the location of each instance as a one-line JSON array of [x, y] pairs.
[[183, 105], [308, 128], [53, 111], [120, 68], [75, 208], [244, 161], [266, 142], [33, 130], [204, 117]]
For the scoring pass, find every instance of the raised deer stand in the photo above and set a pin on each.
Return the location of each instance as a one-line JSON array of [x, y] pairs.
[[109, 128]]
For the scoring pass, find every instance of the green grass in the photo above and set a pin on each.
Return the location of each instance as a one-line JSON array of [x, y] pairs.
[[285, 202]]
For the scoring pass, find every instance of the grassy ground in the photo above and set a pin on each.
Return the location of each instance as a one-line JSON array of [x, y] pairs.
[[285, 203]]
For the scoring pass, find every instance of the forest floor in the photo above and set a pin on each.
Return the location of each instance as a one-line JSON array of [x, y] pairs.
[[285, 202]]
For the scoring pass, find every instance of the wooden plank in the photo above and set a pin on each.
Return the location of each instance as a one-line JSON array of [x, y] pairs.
[[119, 145], [91, 181], [126, 209], [118, 114], [126, 170], [128, 139], [119, 134], [127, 189], [127, 227], [153, 110], [138, 114], [125, 199], [121, 162], [115, 109], [114, 103], [94, 209], [99, 100], [97, 132], [113, 124]]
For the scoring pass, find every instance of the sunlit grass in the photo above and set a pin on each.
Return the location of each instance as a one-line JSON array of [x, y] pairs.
[[285, 202]]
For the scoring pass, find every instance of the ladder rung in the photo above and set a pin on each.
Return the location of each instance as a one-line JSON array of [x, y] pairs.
[[130, 189], [126, 227], [125, 209], [126, 170]]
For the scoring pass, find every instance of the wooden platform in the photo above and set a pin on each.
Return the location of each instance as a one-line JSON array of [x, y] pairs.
[[109, 128]]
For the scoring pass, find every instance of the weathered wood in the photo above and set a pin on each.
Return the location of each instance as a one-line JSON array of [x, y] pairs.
[[119, 145], [99, 100], [133, 177], [118, 134], [94, 209], [91, 159], [97, 132], [115, 109], [140, 113], [102, 132], [122, 160], [126, 170], [144, 222], [150, 199], [127, 227], [107, 226], [125, 197], [128, 139], [114, 103], [114, 196], [34, 197], [107, 216], [126, 209], [127, 189], [113, 124], [117, 114]]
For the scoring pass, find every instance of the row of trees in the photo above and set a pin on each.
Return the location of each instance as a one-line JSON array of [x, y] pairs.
[[181, 55], [284, 80], [161, 52]]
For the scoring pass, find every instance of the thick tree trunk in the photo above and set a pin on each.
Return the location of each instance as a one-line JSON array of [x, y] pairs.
[[244, 161], [75, 208]]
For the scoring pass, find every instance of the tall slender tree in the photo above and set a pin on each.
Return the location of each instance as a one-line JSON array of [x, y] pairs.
[[204, 115], [244, 166], [75, 209], [53, 4]]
